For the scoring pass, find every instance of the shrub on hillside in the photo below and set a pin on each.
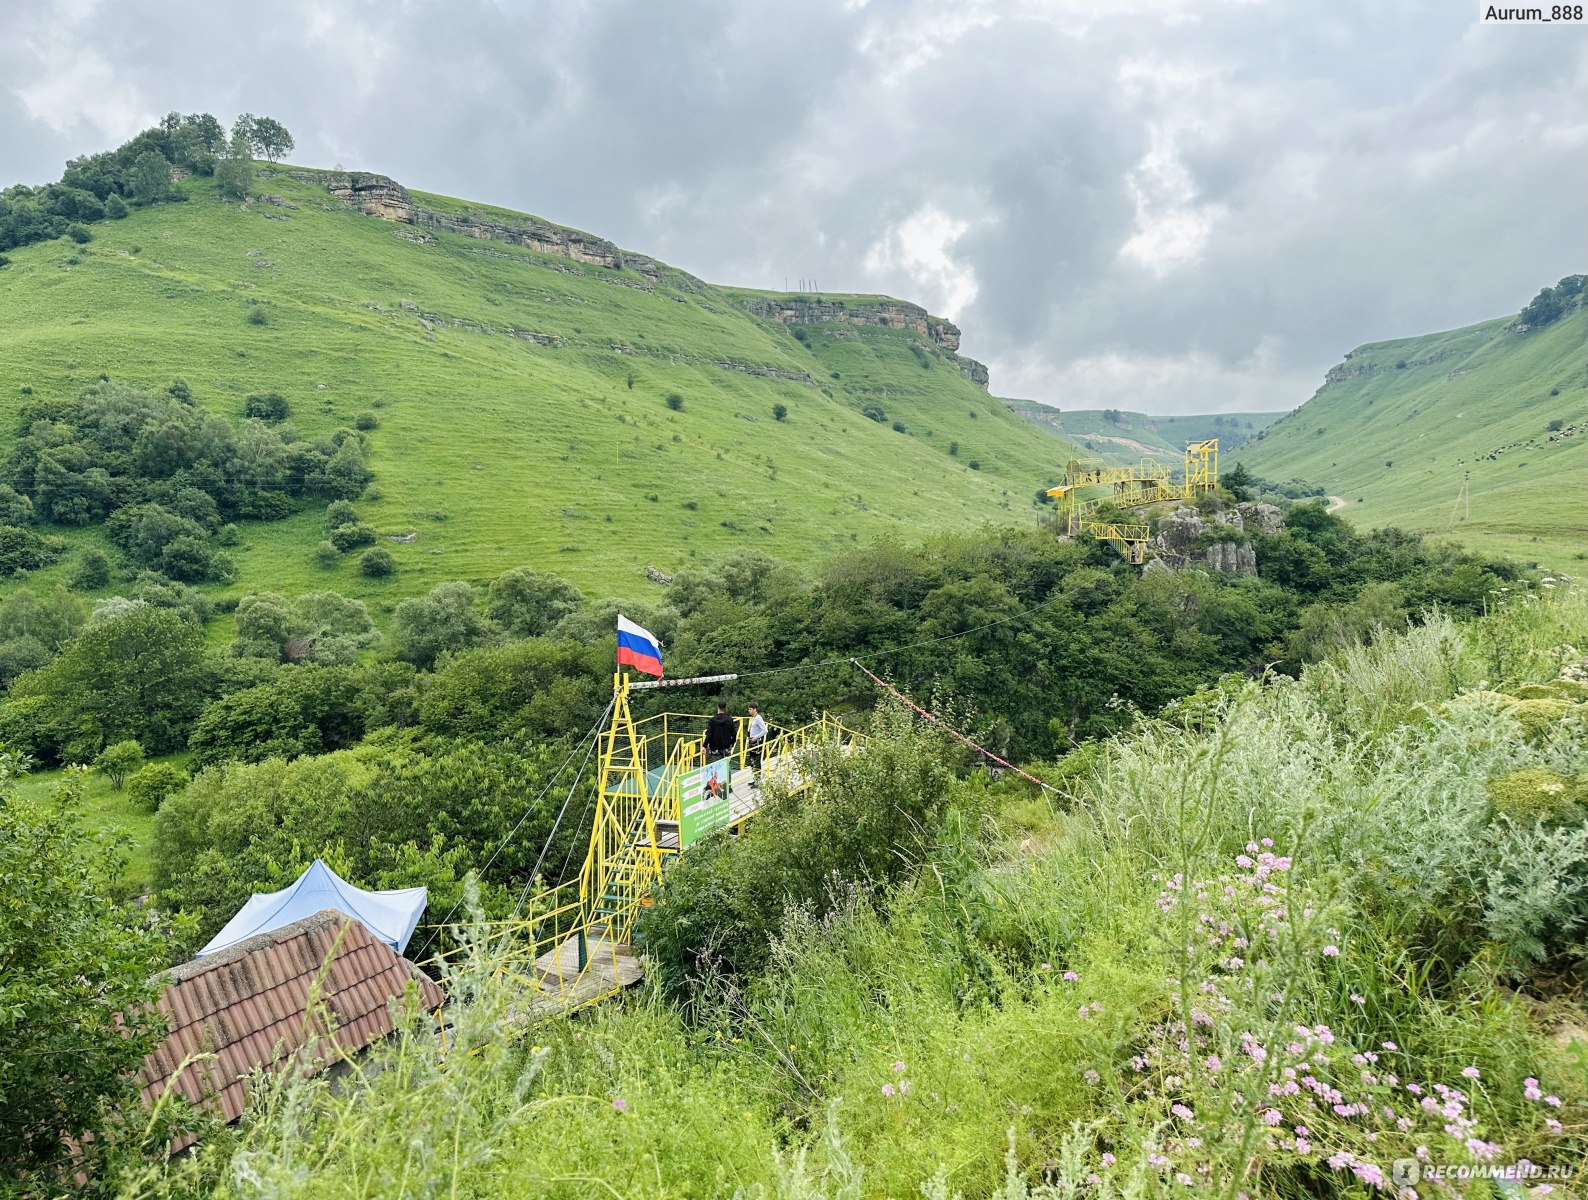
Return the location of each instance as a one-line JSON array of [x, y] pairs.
[[869, 818], [443, 621], [80, 991], [377, 563], [339, 513], [148, 788], [90, 573], [525, 602], [326, 554], [351, 537], [780, 412], [675, 401], [366, 421], [117, 761], [24, 550], [268, 406], [136, 673]]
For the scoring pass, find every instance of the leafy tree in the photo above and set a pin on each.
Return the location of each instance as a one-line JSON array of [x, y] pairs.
[[539, 687], [115, 207], [779, 412], [377, 563], [234, 172], [271, 138], [24, 550], [319, 627], [51, 618], [77, 987], [151, 177], [271, 406], [527, 603], [134, 674], [443, 621], [340, 512], [1240, 481], [117, 761], [17, 509], [306, 710]]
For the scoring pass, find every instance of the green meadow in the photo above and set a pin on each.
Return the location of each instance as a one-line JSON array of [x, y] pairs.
[[1451, 434], [522, 400]]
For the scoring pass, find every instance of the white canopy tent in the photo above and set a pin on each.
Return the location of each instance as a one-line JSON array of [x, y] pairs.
[[389, 916]]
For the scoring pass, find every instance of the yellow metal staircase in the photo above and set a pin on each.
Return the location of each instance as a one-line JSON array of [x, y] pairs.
[[573, 947]]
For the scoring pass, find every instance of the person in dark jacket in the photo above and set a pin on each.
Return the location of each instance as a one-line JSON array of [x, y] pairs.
[[722, 734]]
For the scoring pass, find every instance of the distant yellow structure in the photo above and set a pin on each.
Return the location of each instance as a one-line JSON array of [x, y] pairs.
[[1136, 486]]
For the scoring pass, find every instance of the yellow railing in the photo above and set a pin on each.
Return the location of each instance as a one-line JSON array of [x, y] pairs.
[[577, 934]]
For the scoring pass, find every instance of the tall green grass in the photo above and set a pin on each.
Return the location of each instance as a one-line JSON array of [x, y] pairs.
[[1181, 976]]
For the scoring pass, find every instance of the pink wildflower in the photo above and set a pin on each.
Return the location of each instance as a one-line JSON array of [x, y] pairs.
[[1355, 999], [1045, 967], [1470, 1072], [620, 1104], [1331, 951], [1530, 1089], [887, 1090], [1552, 1101], [898, 1066], [1184, 1113], [1108, 1159], [1071, 977], [1091, 1077]]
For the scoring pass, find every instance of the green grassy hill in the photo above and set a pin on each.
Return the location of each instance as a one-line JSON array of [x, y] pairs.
[[520, 375], [1119, 437], [1398, 425]]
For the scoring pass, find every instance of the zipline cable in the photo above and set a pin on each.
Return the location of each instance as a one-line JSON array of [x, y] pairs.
[[952, 732], [557, 824], [534, 804]]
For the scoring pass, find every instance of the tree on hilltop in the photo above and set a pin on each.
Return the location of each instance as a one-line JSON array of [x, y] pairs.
[[151, 177], [271, 138], [234, 174]]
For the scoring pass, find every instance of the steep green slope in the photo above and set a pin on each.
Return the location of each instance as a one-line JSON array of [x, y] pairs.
[[1119, 437], [1398, 425], [521, 389]]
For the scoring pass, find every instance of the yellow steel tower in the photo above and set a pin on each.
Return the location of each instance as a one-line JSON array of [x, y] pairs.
[[1135, 486]]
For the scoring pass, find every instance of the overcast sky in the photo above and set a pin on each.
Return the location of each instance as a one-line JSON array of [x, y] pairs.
[[1162, 206]]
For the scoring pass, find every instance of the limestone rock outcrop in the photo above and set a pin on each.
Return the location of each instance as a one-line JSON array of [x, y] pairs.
[[1179, 542], [383, 197], [1262, 518], [892, 314]]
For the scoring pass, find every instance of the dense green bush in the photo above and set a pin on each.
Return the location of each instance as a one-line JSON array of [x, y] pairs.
[[443, 621], [302, 710], [135, 674], [148, 788], [869, 819], [351, 537], [377, 563], [78, 992]]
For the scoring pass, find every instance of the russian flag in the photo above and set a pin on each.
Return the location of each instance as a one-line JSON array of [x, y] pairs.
[[638, 648]]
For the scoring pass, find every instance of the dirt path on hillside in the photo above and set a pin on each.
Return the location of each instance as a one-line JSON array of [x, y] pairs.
[[1336, 503]]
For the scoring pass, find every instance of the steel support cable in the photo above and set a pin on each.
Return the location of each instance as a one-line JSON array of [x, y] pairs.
[[512, 833], [950, 730], [557, 824]]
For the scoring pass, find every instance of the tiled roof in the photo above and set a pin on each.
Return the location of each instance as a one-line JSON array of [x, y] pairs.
[[248, 1006]]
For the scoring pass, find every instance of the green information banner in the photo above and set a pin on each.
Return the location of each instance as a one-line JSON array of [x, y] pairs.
[[703, 801]]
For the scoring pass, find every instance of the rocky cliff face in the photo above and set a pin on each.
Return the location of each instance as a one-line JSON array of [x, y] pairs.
[[894, 314], [1179, 540], [383, 197]]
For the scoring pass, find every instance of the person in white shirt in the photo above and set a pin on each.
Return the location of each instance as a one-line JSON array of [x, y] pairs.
[[756, 742]]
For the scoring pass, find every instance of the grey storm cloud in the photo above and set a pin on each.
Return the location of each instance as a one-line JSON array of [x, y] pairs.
[[1164, 206]]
